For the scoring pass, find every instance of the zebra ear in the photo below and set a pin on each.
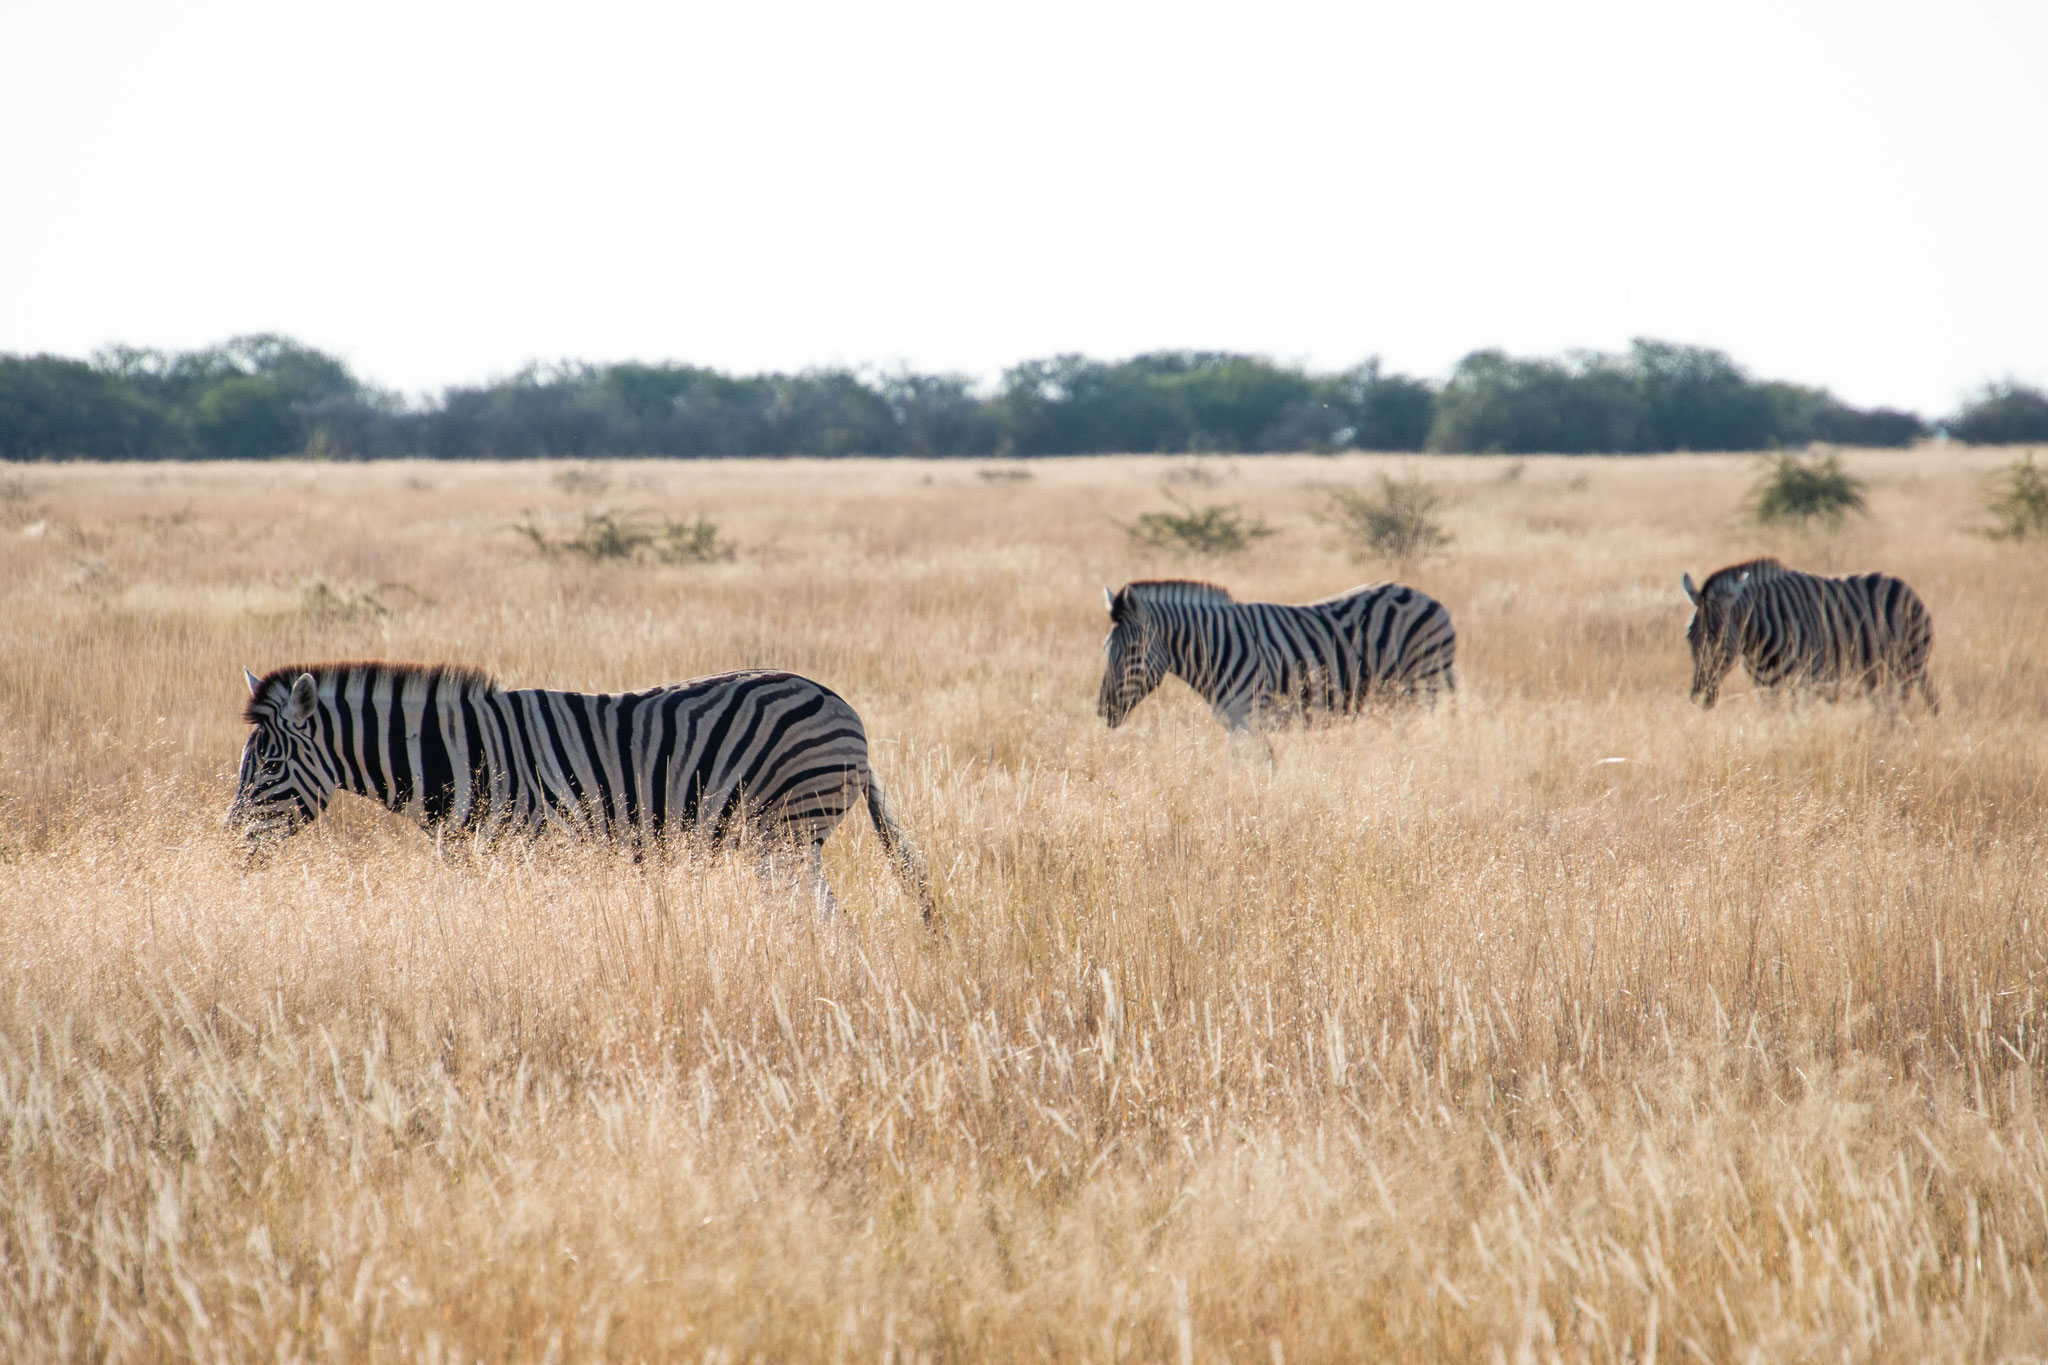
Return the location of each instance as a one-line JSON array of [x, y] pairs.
[[1685, 581], [298, 708], [1108, 599], [254, 681]]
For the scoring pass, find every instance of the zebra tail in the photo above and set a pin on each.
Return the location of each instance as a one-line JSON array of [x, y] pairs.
[[1927, 693], [908, 859]]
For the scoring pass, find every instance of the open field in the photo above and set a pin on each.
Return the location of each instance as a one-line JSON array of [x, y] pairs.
[[1568, 1021]]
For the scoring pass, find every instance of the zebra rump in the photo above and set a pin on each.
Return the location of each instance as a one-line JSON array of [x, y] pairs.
[[1255, 661], [1808, 630], [771, 753]]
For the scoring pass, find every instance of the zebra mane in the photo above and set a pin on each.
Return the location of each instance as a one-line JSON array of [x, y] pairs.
[[278, 681], [1178, 590], [1726, 582]]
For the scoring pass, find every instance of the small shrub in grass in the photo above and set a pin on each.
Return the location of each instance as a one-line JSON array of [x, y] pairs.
[[1218, 529], [610, 535], [578, 479], [2019, 501], [1196, 472], [534, 535], [631, 536], [1396, 523], [1796, 491], [691, 542], [322, 605]]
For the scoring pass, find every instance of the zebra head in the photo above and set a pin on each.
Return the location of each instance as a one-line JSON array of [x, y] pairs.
[[1133, 656], [1712, 634], [284, 785]]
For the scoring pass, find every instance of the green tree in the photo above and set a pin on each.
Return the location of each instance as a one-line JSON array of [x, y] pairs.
[[1497, 404], [247, 417], [54, 408]]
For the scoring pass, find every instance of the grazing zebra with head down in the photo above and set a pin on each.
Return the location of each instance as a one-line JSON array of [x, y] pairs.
[[1806, 629], [772, 753], [1254, 661]]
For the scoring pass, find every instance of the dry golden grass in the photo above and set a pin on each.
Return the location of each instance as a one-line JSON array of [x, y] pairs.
[[1567, 1021]]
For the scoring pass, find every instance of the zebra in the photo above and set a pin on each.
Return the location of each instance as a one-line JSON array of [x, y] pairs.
[[1254, 661], [1807, 629], [768, 752]]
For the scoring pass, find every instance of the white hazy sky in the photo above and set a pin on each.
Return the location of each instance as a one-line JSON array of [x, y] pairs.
[[1853, 194]]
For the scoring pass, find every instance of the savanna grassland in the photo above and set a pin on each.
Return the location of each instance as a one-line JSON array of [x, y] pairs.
[[1567, 1021]]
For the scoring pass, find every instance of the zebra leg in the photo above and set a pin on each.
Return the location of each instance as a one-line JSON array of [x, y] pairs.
[[821, 890], [1449, 690], [1243, 732], [773, 869], [786, 870], [1927, 693]]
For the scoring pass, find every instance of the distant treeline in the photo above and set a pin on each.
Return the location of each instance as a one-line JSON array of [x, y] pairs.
[[262, 396]]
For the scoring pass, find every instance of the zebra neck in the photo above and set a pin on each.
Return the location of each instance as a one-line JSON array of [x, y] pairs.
[[1189, 651], [384, 729]]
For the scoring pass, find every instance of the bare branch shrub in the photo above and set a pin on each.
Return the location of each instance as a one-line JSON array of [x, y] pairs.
[[1218, 529], [691, 542], [2019, 501], [581, 479], [631, 537], [1397, 523]]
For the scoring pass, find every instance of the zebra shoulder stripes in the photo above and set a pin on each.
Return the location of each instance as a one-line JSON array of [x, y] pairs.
[[1254, 661], [772, 753], [1807, 630]]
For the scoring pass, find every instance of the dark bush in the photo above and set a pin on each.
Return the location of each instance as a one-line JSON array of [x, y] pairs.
[[831, 412], [2008, 413], [1495, 404], [1165, 402], [1840, 424], [257, 396], [1382, 411], [1693, 398], [246, 417], [1656, 397], [267, 395], [52, 408], [539, 411], [940, 414]]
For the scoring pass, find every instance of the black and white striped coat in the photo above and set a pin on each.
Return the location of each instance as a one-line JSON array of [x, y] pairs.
[[1800, 629], [1260, 661], [770, 752]]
